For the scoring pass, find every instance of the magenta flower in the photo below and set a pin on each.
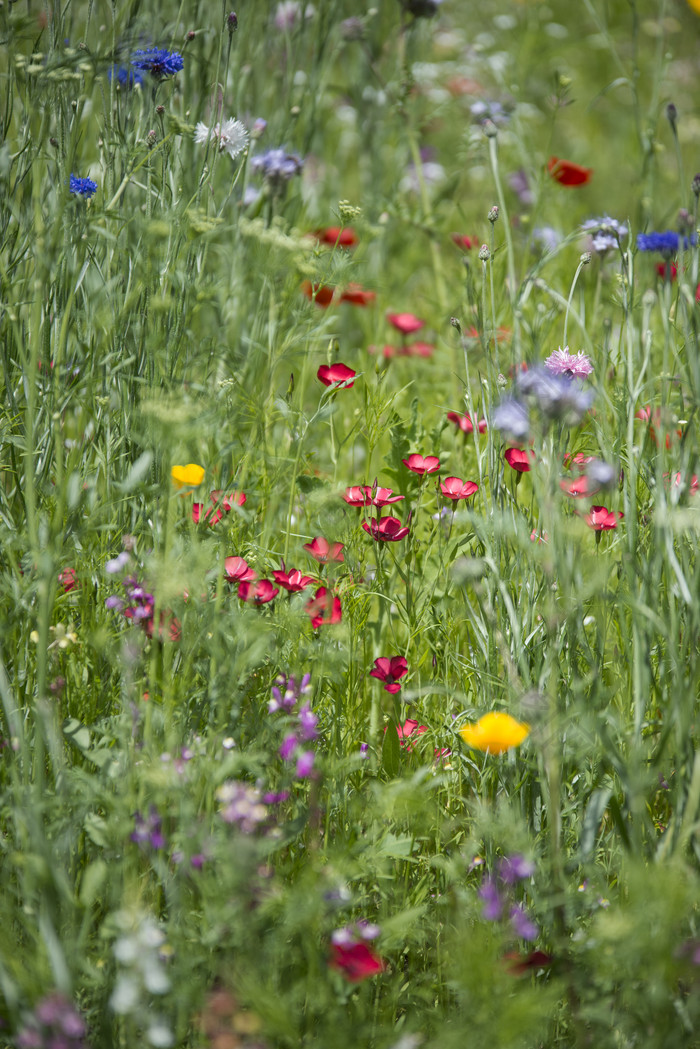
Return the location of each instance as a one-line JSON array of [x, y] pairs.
[[385, 529], [366, 495], [406, 323], [323, 551], [338, 375], [518, 459], [293, 580], [68, 579], [465, 424], [561, 362], [389, 670], [237, 570], [356, 495], [215, 512], [356, 962], [305, 763], [580, 486], [324, 608], [258, 593], [420, 465], [455, 488], [602, 520]]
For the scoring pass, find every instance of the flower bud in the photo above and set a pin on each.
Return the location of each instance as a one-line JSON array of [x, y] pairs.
[[585, 258], [151, 139], [484, 253], [696, 185], [493, 214], [232, 22], [489, 128]]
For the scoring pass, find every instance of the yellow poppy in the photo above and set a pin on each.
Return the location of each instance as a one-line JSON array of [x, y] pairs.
[[187, 476], [495, 733]]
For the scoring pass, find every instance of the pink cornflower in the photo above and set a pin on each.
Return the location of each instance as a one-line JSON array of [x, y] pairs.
[[561, 362]]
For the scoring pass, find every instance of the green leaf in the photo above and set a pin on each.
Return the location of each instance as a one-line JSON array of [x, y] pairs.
[[390, 751], [92, 881], [595, 810], [77, 733], [137, 473]]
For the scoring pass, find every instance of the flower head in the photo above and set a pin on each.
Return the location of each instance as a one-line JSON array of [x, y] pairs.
[[68, 578], [576, 365], [230, 137], [492, 899], [356, 961], [189, 476], [390, 670], [567, 173], [406, 323], [258, 593], [385, 529], [422, 465], [323, 551], [82, 187], [337, 236], [337, 375], [523, 926], [602, 520], [324, 608], [455, 488], [277, 166], [465, 423], [214, 513], [370, 495], [515, 868], [518, 459], [512, 417], [557, 396], [292, 580], [667, 243], [606, 234], [495, 733], [237, 570], [157, 61]]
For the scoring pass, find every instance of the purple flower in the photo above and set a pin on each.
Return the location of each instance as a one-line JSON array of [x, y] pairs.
[[277, 166], [158, 61], [523, 925], [305, 763], [512, 869], [520, 184], [307, 723], [55, 1024], [556, 396], [492, 899], [289, 745], [118, 563], [147, 830], [286, 693], [561, 362], [242, 805], [512, 417]]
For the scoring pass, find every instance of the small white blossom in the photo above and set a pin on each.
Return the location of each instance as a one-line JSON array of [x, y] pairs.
[[231, 136]]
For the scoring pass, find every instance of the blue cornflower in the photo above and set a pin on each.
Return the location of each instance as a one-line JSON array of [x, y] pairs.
[[667, 243], [125, 77], [158, 61], [557, 396], [277, 166], [84, 187], [512, 417]]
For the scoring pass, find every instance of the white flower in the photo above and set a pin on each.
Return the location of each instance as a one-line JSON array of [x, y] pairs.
[[231, 136]]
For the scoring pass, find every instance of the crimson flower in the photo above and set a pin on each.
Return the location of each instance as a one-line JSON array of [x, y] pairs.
[[462, 241], [338, 375], [174, 630], [518, 459], [385, 529], [417, 349], [455, 488], [409, 728], [567, 173], [323, 551], [337, 236], [420, 465], [321, 294], [519, 963], [215, 512], [356, 962], [366, 495], [654, 419], [677, 480], [68, 579], [406, 323], [580, 486], [324, 608], [384, 497], [357, 295], [237, 570], [292, 581], [389, 670], [258, 593], [465, 424], [603, 520], [578, 460]]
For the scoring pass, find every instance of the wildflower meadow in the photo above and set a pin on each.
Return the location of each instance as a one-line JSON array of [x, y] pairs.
[[349, 514]]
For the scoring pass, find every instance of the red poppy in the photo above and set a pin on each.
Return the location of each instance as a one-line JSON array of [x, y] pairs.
[[518, 459], [465, 424], [567, 173], [68, 579], [321, 294], [602, 520], [323, 551], [389, 670], [385, 529], [406, 323], [237, 570], [462, 241], [356, 962], [419, 465], [324, 608], [357, 295], [293, 581], [662, 268], [337, 236], [455, 488], [338, 375], [258, 593]]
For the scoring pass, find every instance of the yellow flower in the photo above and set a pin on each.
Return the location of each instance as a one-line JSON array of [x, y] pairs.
[[695, 5], [495, 732], [187, 476]]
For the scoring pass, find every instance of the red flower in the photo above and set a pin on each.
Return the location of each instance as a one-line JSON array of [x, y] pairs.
[[214, 513], [677, 480], [519, 963], [420, 465], [357, 295], [662, 269], [465, 424], [323, 551], [462, 241], [338, 375], [580, 486], [567, 173], [406, 323], [455, 488], [603, 520], [357, 962], [321, 294], [389, 670], [292, 581], [385, 529], [173, 625], [366, 495], [578, 460], [417, 349], [336, 236], [68, 579], [324, 608], [356, 495], [259, 593], [654, 419], [237, 570], [518, 459], [383, 497], [409, 728]]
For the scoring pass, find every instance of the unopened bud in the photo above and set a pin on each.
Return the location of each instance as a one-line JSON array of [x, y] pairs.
[[685, 221], [493, 214], [672, 116], [151, 139], [191, 35], [232, 22], [490, 129], [484, 253], [454, 321], [696, 185], [585, 258], [160, 110]]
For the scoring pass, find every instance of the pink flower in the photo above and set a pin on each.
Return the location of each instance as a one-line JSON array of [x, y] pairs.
[[68, 579], [292, 581], [338, 375], [417, 349], [603, 520], [324, 608], [258, 593], [215, 512], [561, 362], [356, 962], [369, 495], [518, 459], [385, 529], [465, 242], [389, 670], [409, 728], [580, 486], [465, 424], [323, 551], [406, 323], [455, 488], [237, 570], [357, 495], [420, 465]]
